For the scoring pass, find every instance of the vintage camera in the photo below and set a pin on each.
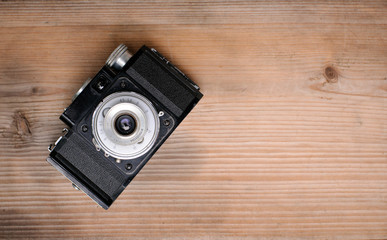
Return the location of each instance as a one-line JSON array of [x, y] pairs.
[[119, 119]]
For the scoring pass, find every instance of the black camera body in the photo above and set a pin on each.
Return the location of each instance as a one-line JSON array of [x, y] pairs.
[[119, 119]]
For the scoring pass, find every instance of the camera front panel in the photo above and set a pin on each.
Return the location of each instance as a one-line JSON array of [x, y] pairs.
[[128, 153]]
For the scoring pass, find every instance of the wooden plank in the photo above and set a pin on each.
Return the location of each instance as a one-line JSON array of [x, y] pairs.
[[289, 141], [57, 13]]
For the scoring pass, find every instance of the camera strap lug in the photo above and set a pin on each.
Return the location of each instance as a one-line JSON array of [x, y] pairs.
[[52, 146]]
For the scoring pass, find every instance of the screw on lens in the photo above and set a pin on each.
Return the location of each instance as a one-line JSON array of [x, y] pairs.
[[167, 122], [84, 128], [128, 166]]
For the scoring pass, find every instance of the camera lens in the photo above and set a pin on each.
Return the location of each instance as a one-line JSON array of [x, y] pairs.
[[123, 129], [125, 125]]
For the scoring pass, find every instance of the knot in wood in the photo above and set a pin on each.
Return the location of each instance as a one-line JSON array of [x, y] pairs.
[[22, 125], [331, 74]]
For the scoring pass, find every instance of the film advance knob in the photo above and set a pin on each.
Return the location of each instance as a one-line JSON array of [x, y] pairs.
[[119, 57]]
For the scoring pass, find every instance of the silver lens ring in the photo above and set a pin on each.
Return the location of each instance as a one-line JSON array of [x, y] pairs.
[[125, 109], [140, 140]]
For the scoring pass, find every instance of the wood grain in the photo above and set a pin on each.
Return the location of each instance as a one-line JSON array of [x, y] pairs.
[[289, 141]]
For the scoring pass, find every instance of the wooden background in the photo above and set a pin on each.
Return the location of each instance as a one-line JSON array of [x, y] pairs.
[[289, 141]]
